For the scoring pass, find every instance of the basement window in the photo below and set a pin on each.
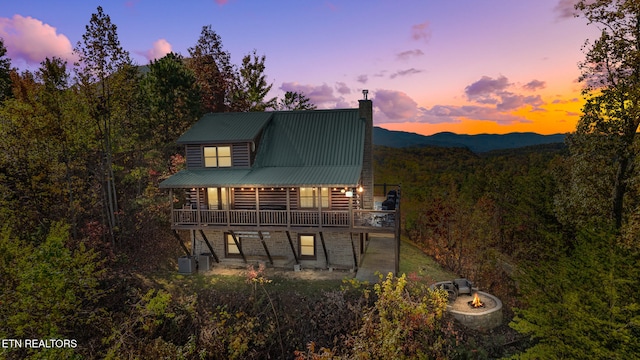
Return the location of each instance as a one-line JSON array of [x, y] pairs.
[[230, 247], [307, 246]]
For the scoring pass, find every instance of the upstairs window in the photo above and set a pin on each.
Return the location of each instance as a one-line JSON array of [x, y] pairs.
[[309, 197], [217, 156]]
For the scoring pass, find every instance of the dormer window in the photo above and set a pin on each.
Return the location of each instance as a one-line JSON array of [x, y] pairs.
[[217, 156]]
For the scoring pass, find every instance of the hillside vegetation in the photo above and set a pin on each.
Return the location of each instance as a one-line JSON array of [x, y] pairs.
[[85, 240]]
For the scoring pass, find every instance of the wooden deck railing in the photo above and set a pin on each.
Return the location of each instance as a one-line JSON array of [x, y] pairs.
[[359, 219]]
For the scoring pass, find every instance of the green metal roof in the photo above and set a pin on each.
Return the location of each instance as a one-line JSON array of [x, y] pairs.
[[297, 148], [226, 127], [305, 138], [205, 178], [270, 176]]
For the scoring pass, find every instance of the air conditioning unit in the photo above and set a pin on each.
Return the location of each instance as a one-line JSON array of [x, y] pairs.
[[204, 262], [186, 264]]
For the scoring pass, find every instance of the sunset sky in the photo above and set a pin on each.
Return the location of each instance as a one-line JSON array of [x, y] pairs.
[[464, 66]]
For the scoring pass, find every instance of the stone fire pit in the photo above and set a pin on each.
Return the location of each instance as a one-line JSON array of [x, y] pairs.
[[484, 318]]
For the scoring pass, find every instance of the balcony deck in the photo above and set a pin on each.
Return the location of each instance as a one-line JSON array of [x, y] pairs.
[[337, 220]]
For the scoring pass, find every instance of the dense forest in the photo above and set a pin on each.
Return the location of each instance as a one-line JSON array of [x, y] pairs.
[[552, 230]]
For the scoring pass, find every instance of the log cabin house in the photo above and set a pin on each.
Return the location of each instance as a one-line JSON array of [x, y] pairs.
[[290, 188]]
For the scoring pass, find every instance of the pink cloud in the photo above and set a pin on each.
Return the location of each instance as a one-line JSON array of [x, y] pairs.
[[421, 32], [160, 48], [484, 90], [488, 90], [342, 88], [534, 85], [454, 114], [395, 105], [362, 78], [567, 8], [406, 55], [320, 95], [406, 72], [131, 3], [32, 41], [565, 101], [221, 2]]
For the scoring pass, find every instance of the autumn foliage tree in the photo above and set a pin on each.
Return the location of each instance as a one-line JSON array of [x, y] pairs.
[[215, 74]]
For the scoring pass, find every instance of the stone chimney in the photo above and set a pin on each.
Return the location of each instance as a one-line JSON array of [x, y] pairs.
[[366, 176]]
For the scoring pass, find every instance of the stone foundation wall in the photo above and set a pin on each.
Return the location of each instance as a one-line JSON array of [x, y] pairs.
[[338, 245]]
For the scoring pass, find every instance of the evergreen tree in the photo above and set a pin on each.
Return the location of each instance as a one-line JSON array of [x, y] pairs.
[[295, 101], [5, 69], [172, 100], [254, 87], [105, 75]]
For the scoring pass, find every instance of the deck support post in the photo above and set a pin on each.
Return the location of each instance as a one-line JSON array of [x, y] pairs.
[[264, 244], [235, 240], [293, 249], [184, 247], [206, 241], [324, 248], [353, 250]]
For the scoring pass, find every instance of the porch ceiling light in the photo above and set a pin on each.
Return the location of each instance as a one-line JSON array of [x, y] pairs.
[[360, 189]]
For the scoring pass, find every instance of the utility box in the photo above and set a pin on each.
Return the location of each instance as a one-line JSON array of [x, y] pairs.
[[204, 262], [186, 264]]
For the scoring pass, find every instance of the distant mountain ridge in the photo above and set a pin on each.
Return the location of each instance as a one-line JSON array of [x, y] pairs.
[[476, 143]]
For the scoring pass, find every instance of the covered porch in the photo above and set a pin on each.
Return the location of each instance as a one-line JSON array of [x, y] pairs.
[[381, 220]]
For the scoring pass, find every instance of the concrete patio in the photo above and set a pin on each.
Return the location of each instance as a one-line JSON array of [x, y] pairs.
[[378, 258]]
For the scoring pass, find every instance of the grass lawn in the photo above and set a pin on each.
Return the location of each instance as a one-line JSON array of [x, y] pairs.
[[414, 261], [174, 282]]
